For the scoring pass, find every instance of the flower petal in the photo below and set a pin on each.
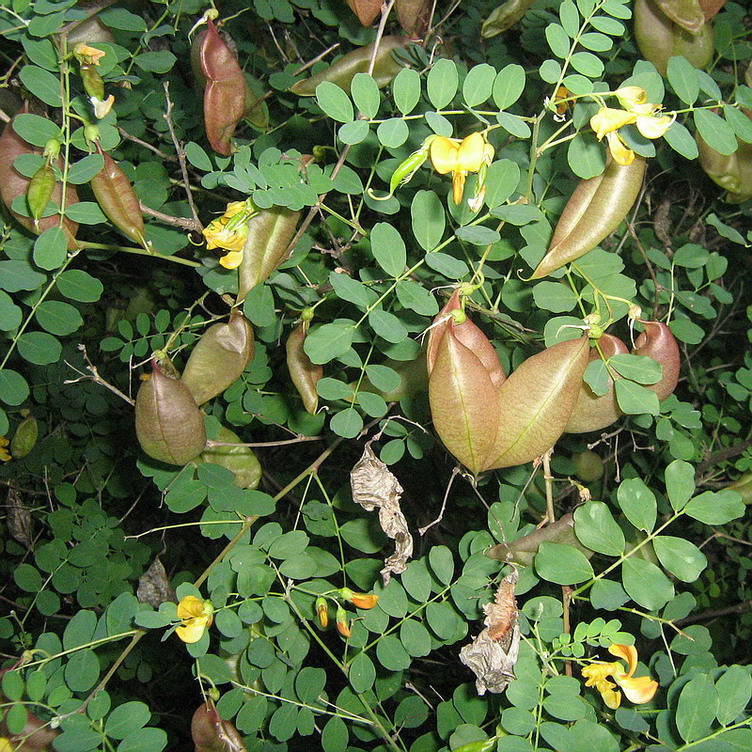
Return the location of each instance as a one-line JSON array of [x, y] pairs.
[[627, 653], [458, 186], [619, 150], [654, 127], [607, 120], [232, 260], [190, 607], [192, 631], [472, 152], [443, 153], [597, 672], [639, 689]]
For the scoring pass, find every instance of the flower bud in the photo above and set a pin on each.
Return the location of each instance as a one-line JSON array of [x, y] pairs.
[[322, 611]]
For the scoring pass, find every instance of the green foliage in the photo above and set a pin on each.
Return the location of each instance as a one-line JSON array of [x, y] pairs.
[[100, 543]]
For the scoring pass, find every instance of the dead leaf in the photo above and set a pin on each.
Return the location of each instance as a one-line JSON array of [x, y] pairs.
[[492, 655], [154, 585], [375, 487], [19, 518]]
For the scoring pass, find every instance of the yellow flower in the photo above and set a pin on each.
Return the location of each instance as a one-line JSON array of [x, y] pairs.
[[196, 616], [360, 600], [608, 120], [5, 745], [654, 127], [460, 158], [633, 99], [4, 453], [102, 107], [230, 231], [619, 150], [87, 55], [638, 689]]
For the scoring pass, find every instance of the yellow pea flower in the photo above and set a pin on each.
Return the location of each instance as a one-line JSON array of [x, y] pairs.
[[608, 120], [87, 55], [638, 689], [634, 99], [460, 158], [196, 615], [360, 600], [4, 453], [5, 745], [230, 232], [619, 150], [654, 127]]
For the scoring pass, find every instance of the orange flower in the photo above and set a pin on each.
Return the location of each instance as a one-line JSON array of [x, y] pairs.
[[196, 615], [322, 611], [360, 600], [638, 689], [343, 626]]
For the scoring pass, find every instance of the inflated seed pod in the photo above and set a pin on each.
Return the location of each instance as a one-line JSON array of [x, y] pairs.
[[592, 412], [89, 30], [24, 438], [535, 403], [14, 184], [239, 459], [269, 234], [659, 38], [730, 171], [743, 486], [40, 190], [657, 342], [118, 200], [595, 209], [225, 91], [169, 425], [504, 17], [304, 373], [685, 13], [211, 733], [414, 16], [469, 335], [219, 357], [463, 400], [343, 71], [365, 10]]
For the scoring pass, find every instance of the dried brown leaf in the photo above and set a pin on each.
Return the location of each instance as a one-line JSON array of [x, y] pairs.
[[18, 518], [154, 585], [374, 486]]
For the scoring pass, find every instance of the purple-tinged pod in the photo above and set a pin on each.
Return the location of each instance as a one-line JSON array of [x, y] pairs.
[[594, 412], [304, 373], [657, 342], [169, 425], [595, 209], [211, 733], [535, 403], [219, 358]]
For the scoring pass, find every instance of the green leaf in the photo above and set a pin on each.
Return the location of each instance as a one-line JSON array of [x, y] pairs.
[[406, 90], [444, 264], [58, 318], [682, 76], [558, 40], [391, 653], [82, 671], [144, 740], [716, 507], [562, 564], [634, 399], [198, 157], [715, 131], [570, 18], [734, 690], [334, 736], [351, 290], [696, 708], [741, 124], [393, 132], [442, 82], [415, 297], [554, 296], [586, 157], [680, 557], [681, 141], [85, 169], [35, 129], [361, 673], [42, 84], [348, 423], [13, 387], [10, 313], [428, 219], [508, 85], [353, 132], [127, 719], [155, 62], [79, 285], [588, 64], [442, 563], [478, 84], [334, 102], [324, 343], [502, 179], [388, 248], [39, 348], [646, 584], [120, 18], [51, 249], [680, 483], [415, 638], [597, 530], [387, 326], [596, 42], [478, 235], [365, 94], [637, 368], [86, 213]]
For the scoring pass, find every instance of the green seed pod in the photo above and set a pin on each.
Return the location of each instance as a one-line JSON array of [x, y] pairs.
[[256, 110], [591, 412], [239, 459], [225, 91], [588, 466], [13, 184], [743, 486], [535, 402], [504, 17], [219, 358], [118, 200], [266, 246], [24, 438], [40, 191], [659, 38], [343, 71], [169, 425], [685, 13], [730, 171], [304, 373], [657, 342], [462, 395], [93, 81], [595, 209]]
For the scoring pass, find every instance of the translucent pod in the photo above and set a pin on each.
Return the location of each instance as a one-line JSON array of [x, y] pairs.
[[595, 209], [536, 401], [304, 373], [169, 425], [592, 412], [240, 460], [219, 358], [657, 342], [343, 71]]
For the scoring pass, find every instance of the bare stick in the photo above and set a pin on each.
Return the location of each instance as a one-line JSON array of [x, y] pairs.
[[95, 377], [184, 222], [422, 530]]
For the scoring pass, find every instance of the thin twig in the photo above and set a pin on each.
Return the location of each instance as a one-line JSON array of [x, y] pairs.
[[130, 137], [95, 377], [184, 222], [261, 444], [180, 154]]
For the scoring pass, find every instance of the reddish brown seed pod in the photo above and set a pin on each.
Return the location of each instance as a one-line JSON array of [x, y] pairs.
[[225, 91], [594, 412], [304, 373], [657, 342], [535, 403], [212, 733]]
